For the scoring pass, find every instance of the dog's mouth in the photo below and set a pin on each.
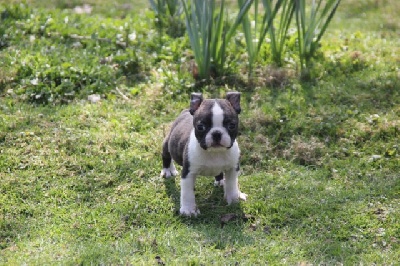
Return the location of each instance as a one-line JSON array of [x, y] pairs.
[[216, 145]]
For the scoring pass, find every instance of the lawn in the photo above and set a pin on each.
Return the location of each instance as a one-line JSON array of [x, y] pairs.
[[79, 178]]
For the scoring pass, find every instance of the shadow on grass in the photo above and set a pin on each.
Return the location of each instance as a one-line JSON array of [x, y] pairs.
[[209, 203], [221, 225], [172, 192]]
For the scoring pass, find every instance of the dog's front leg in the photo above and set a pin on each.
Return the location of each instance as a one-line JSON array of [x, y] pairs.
[[188, 202], [232, 193]]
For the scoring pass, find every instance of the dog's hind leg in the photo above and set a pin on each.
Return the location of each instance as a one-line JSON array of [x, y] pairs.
[[168, 165], [219, 180]]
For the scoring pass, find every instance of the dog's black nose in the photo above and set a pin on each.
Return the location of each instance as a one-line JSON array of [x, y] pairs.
[[216, 136]]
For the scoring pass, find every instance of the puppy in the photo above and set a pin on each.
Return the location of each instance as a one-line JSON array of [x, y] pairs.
[[203, 141]]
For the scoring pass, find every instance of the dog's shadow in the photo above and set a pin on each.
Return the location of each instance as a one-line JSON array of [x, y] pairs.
[[221, 225], [172, 192], [210, 201]]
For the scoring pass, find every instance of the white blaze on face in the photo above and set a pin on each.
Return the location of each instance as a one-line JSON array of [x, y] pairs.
[[217, 115], [218, 126]]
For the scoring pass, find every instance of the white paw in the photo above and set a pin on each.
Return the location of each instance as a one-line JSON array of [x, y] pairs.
[[189, 211], [235, 197], [242, 196], [219, 183], [168, 172]]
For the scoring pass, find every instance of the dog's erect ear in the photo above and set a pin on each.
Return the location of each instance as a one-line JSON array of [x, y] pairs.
[[234, 99], [195, 100]]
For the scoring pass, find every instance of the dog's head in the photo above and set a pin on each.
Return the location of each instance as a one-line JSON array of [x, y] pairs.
[[215, 121]]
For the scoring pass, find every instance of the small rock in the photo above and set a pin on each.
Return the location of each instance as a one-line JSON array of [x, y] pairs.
[[132, 36], [34, 81], [375, 157], [77, 45], [227, 218], [94, 98], [85, 9]]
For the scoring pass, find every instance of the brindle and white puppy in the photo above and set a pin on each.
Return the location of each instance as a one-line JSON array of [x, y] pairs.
[[203, 141]]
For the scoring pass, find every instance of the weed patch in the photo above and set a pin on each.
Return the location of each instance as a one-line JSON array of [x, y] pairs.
[[305, 152]]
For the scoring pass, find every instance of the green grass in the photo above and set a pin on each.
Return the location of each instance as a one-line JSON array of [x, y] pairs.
[[79, 181]]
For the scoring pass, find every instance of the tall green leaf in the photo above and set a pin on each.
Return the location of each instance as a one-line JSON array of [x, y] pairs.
[[312, 25], [208, 32], [278, 31]]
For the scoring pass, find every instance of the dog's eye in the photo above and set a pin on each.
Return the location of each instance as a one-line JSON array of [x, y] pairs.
[[231, 126], [201, 127]]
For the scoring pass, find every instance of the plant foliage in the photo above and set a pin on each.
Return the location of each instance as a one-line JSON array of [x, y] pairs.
[[210, 33], [312, 25], [278, 33], [168, 16], [262, 25]]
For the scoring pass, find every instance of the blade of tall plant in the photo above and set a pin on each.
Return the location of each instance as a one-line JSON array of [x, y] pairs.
[[174, 7], [160, 11], [248, 34], [208, 35], [254, 38], [278, 31], [217, 38], [158, 6], [311, 27], [242, 14], [198, 26], [168, 16], [166, 7]]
